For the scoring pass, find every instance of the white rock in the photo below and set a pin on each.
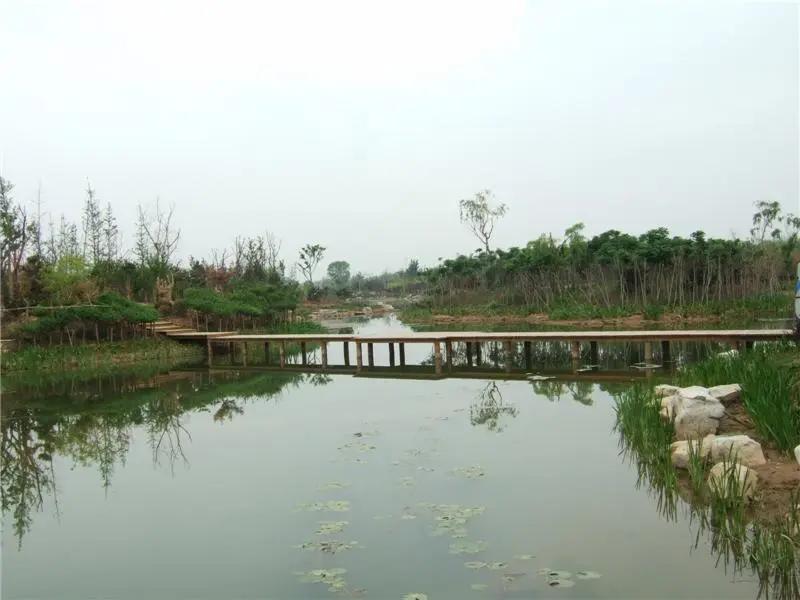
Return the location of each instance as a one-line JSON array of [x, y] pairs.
[[745, 479], [667, 410], [697, 413], [797, 454], [741, 448], [679, 451], [666, 390], [695, 392], [732, 353], [726, 393]]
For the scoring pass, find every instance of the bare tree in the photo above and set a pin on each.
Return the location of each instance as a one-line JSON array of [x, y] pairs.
[[157, 239], [480, 216]]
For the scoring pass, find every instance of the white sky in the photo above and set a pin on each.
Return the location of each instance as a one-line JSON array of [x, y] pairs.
[[359, 125]]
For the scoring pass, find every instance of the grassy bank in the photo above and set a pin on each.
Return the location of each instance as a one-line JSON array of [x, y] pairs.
[[107, 355], [93, 356], [766, 306]]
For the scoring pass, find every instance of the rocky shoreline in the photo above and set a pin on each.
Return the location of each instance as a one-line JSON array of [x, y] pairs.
[[712, 427]]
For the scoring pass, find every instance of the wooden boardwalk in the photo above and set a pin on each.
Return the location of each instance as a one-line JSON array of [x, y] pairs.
[[443, 341]]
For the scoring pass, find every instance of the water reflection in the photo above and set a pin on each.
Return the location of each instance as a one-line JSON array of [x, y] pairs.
[[91, 422], [490, 408]]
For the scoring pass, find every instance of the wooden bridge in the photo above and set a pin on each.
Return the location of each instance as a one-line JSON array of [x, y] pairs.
[[443, 342]]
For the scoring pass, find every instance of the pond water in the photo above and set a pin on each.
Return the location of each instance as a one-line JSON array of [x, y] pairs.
[[197, 485]]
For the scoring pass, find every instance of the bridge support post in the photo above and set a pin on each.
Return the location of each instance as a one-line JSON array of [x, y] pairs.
[[346, 348], [209, 350], [359, 358], [402, 350], [244, 353], [437, 357], [594, 353], [266, 353], [370, 355], [391, 354], [283, 353], [509, 355], [528, 350], [303, 353], [448, 345], [575, 354], [324, 351], [469, 353], [478, 359], [648, 353], [666, 352], [748, 345]]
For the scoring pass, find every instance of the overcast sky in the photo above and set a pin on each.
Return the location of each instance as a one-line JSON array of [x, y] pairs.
[[359, 125]]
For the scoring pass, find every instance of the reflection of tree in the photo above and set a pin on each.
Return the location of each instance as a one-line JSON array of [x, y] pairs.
[[490, 407], [92, 421], [164, 430], [317, 379], [26, 474]]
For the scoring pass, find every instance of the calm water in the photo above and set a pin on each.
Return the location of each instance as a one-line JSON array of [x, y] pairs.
[[191, 490]]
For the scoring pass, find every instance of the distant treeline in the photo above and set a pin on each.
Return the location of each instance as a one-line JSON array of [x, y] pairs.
[[616, 268]]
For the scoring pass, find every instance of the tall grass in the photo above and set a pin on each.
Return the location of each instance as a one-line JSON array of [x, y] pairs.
[[770, 391], [91, 356]]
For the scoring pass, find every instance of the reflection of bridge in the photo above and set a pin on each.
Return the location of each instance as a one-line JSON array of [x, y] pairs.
[[473, 341], [429, 373]]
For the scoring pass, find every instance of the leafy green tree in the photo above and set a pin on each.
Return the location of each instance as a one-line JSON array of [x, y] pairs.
[[339, 274], [67, 280], [480, 215], [310, 257]]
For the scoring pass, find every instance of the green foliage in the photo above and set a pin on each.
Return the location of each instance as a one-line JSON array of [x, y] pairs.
[[63, 279], [263, 300], [339, 274]]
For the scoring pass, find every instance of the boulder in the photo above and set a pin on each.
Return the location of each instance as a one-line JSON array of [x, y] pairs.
[[745, 481], [732, 353], [729, 392], [741, 448], [664, 390], [667, 410], [697, 413], [797, 454], [679, 451]]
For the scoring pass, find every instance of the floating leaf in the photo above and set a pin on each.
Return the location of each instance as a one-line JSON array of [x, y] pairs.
[[588, 575], [338, 585], [406, 481], [323, 575], [497, 566], [330, 527], [468, 548], [552, 574], [562, 583], [408, 517], [328, 546], [470, 472], [333, 485], [524, 556], [334, 505], [415, 596], [474, 565], [509, 577], [479, 586]]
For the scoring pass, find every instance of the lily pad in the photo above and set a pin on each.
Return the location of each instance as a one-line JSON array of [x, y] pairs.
[[333, 505], [479, 586], [509, 577], [560, 583], [408, 517], [468, 548], [333, 485], [415, 596], [330, 527], [474, 565], [524, 556], [497, 566], [553, 574], [327, 546], [588, 575], [474, 472], [323, 575]]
